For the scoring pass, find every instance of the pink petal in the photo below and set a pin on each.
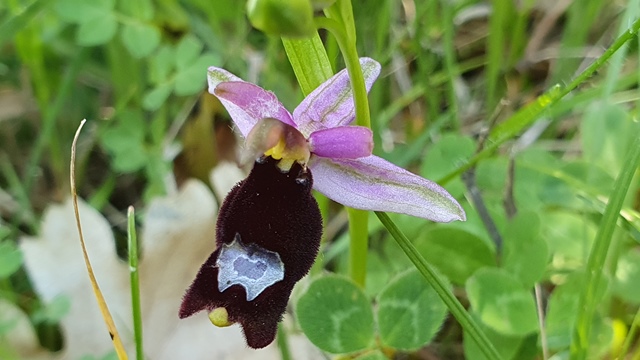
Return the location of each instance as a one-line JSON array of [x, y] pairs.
[[343, 142], [246, 103], [331, 104], [372, 183]]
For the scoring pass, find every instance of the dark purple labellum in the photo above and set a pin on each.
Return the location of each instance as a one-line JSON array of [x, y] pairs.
[[268, 225]]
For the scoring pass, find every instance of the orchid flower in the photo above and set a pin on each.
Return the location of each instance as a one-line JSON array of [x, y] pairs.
[[269, 226]]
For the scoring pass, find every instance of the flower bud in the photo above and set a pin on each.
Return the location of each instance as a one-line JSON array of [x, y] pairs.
[[290, 18]]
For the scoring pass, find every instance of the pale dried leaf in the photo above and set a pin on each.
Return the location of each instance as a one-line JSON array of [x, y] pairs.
[[224, 176], [56, 267], [177, 236]]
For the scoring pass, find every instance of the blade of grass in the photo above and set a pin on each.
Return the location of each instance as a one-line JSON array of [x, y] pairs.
[[50, 116], [528, 114], [588, 299], [30, 49], [132, 244], [501, 14], [25, 215], [106, 314], [428, 15], [574, 36], [450, 63], [519, 29], [537, 289], [456, 308], [283, 345], [431, 80], [631, 336], [615, 68], [13, 24]]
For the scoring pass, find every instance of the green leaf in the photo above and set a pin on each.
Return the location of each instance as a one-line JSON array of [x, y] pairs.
[[375, 355], [441, 287], [501, 302], [111, 355], [4, 232], [54, 311], [11, 25], [378, 273], [562, 314], [444, 156], [598, 255], [455, 252], [10, 259], [287, 18], [525, 252], [335, 315], [508, 345], [161, 64], [140, 39], [154, 98], [410, 312], [193, 79], [82, 11], [491, 176], [187, 51], [98, 31], [131, 158], [127, 127], [125, 140], [140, 9], [531, 184], [606, 133], [309, 61], [585, 174], [569, 238], [626, 283]]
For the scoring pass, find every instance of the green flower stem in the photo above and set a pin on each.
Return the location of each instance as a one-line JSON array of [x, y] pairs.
[[311, 66], [441, 287], [359, 245], [528, 114], [132, 245], [350, 54], [342, 28], [342, 11], [589, 299]]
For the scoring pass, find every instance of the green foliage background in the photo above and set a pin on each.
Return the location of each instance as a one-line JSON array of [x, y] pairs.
[[456, 78]]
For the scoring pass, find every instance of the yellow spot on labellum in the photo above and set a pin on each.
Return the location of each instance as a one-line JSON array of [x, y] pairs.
[[220, 317], [278, 151], [272, 137]]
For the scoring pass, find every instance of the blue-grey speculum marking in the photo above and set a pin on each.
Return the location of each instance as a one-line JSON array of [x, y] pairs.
[[249, 266]]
